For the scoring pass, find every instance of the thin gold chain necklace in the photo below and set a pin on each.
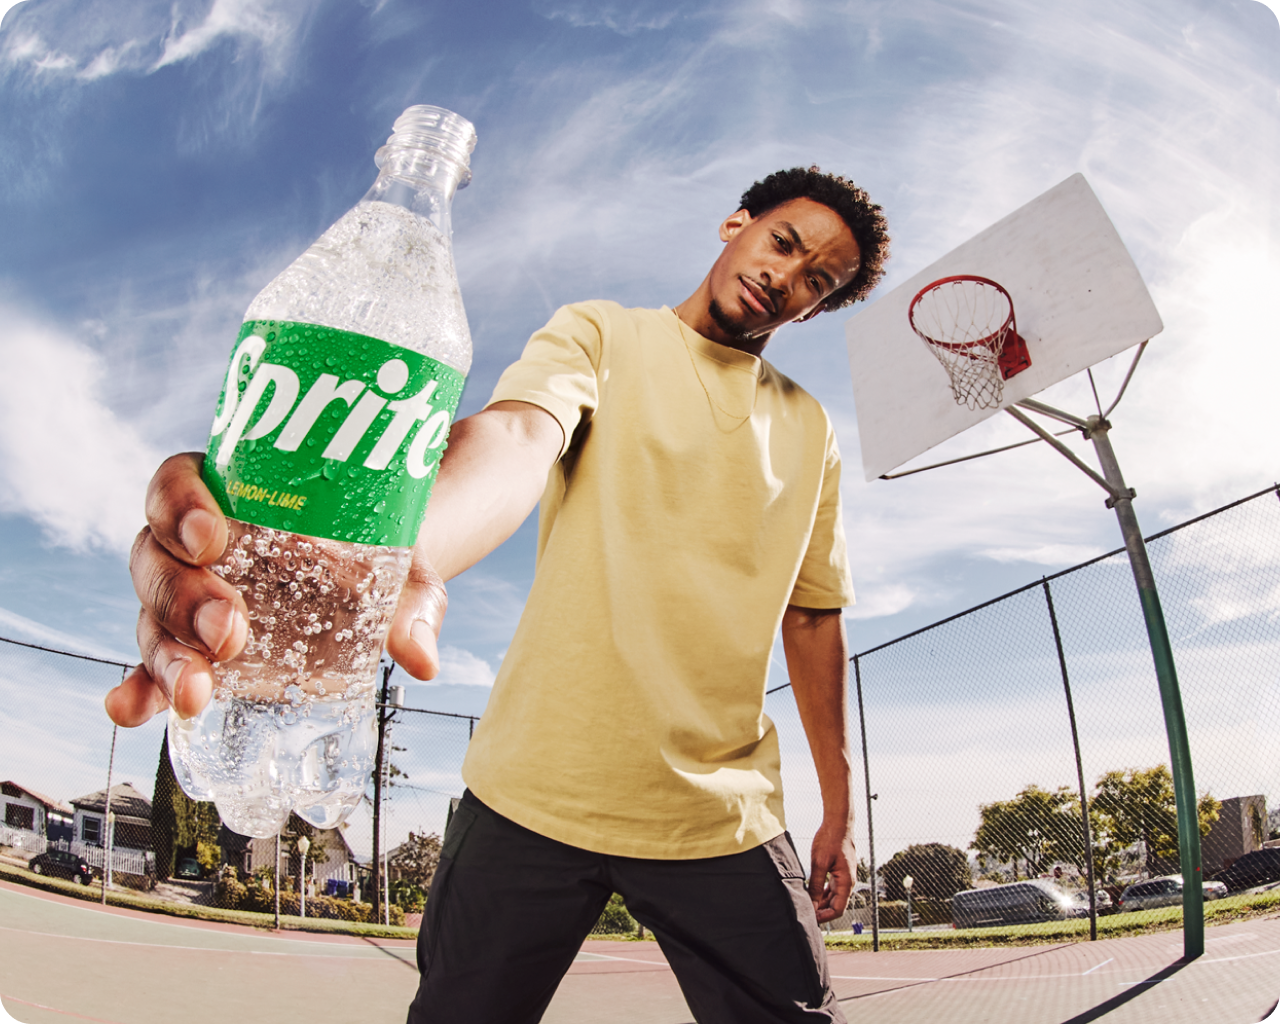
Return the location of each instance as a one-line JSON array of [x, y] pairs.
[[755, 392]]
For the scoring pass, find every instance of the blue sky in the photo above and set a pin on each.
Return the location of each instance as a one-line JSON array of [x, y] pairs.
[[160, 162]]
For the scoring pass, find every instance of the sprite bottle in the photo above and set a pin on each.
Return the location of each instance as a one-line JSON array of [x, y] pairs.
[[326, 441]]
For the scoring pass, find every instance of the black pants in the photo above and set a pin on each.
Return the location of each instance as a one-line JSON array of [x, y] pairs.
[[509, 909]]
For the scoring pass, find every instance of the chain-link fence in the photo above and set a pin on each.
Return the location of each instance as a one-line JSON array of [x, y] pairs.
[[1008, 752], [1012, 750]]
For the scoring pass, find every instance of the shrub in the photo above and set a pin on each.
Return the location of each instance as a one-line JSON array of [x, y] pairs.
[[615, 919], [229, 892]]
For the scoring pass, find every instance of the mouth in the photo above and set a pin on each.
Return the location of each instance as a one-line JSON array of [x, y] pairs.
[[756, 298]]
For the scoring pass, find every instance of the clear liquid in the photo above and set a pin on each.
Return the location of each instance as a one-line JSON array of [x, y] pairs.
[[292, 722], [381, 270]]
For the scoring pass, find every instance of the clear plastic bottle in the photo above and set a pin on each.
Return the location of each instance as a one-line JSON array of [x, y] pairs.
[[328, 434]]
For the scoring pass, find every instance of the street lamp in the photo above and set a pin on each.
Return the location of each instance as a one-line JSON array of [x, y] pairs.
[[304, 844], [907, 883]]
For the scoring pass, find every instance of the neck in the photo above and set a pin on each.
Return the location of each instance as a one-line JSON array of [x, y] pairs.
[[695, 312]]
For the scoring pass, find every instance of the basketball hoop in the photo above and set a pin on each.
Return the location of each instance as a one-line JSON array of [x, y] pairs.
[[968, 324]]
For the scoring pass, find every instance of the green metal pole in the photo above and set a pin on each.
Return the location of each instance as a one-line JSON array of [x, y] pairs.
[[1184, 787]]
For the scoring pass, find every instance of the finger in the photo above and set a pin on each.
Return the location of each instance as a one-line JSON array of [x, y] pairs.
[[411, 640], [136, 700], [182, 514], [179, 674], [194, 605], [819, 867]]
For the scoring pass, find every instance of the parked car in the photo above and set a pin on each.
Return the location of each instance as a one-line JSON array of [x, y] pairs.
[[1016, 903], [1256, 868], [1080, 903], [188, 867], [59, 864], [1164, 892]]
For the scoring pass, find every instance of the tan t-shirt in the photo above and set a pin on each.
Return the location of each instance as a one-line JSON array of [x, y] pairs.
[[697, 496]]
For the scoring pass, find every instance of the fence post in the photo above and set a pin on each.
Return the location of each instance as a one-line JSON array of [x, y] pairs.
[[1075, 743], [276, 881], [871, 832], [107, 830]]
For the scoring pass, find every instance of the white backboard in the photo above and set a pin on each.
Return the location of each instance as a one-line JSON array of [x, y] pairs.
[[1077, 296]]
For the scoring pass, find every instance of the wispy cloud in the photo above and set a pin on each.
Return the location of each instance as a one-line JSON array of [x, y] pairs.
[[67, 460], [19, 627], [265, 25], [100, 38], [624, 18]]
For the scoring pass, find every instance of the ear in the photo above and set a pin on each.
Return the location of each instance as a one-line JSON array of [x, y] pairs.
[[734, 224]]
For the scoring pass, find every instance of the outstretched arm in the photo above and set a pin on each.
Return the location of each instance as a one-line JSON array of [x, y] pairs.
[[492, 474], [814, 642]]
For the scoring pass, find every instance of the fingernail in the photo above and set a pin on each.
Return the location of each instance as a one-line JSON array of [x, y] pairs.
[[196, 531], [421, 634], [197, 680], [214, 623], [172, 676]]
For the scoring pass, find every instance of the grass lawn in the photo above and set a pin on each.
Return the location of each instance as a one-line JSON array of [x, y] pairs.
[[134, 900], [1224, 911], [1112, 926]]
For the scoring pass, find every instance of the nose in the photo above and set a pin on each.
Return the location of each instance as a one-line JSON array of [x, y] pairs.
[[780, 277]]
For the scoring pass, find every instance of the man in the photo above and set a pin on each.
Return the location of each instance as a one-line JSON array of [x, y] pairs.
[[690, 508]]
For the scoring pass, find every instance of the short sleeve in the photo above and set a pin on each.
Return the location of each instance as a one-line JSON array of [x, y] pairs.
[[824, 580], [557, 370]]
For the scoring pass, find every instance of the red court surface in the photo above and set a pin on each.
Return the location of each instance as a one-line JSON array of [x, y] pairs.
[[64, 960]]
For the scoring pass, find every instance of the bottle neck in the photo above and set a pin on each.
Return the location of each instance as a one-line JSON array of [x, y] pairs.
[[427, 189], [424, 163]]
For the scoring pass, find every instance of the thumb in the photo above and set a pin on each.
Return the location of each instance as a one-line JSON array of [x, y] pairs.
[[411, 640]]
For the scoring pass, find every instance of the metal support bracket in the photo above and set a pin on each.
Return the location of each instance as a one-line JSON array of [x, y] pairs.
[[1063, 450], [1128, 492]]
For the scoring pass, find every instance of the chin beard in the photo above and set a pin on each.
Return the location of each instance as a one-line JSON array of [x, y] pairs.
[[735, 329]]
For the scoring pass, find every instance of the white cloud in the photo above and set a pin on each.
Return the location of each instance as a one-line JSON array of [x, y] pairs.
[[459, 667], [1045, 554], [67, 460]]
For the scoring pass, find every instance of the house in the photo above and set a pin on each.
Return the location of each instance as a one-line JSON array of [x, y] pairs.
[[30, 819], [1241, 828], [335, 860], [131, 839]]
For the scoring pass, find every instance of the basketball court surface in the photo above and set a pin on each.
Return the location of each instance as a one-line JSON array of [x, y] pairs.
[[63, 960]]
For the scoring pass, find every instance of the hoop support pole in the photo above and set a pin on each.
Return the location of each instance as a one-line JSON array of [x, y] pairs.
[[1170, 696], [1056, 414]]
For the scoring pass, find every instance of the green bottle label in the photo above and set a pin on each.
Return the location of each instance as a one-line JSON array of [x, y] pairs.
[[329, 434]]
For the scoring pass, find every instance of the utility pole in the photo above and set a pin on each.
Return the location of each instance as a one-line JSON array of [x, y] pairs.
[[383, 717]]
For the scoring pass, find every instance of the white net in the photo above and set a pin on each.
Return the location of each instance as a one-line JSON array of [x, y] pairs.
[[965, 322]]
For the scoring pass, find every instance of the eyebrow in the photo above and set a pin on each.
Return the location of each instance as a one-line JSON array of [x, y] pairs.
[[801, 247]]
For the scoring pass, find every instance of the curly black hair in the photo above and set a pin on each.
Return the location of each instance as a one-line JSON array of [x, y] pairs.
[[865, 220]]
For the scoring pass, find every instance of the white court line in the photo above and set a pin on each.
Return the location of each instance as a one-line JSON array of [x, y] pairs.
[[1048, 977], [362, 953], [628, 959], [168, 923]]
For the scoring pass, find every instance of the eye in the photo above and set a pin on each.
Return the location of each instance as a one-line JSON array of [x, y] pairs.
[[782, 243]]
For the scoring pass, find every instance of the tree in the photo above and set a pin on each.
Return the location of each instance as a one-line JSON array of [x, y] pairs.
[[1037, 827], [417, 858], [295, 828], [180, 826], [938, 872], [1138, 806]]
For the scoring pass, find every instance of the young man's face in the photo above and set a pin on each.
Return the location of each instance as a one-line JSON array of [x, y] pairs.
[[779, 267]]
